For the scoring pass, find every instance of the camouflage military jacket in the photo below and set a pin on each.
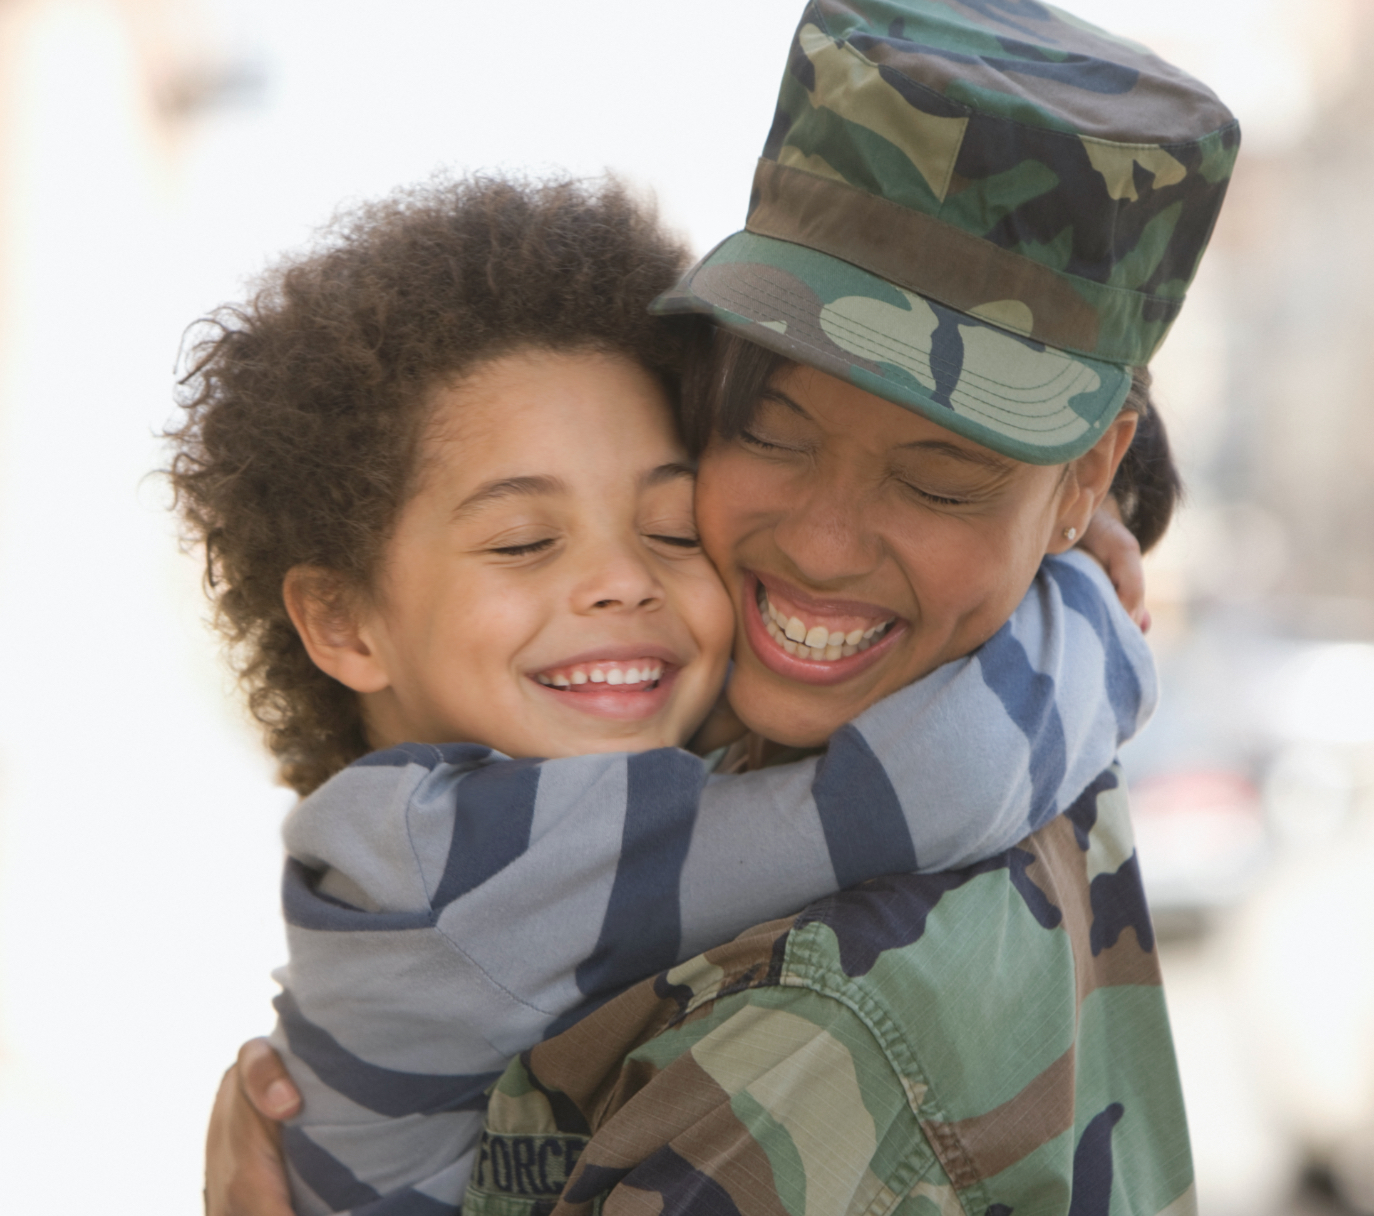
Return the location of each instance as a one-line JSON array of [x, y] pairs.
[[985, 1041]]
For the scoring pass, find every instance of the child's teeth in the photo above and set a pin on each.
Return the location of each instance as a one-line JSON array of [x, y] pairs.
[[818, 636], [643, 672], [853, 637], [795, 629]]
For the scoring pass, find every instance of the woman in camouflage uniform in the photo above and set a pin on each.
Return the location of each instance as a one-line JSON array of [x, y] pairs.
[[973, 223]]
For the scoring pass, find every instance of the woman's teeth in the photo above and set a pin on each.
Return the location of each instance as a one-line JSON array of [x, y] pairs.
[[638, 673], [816, 641]]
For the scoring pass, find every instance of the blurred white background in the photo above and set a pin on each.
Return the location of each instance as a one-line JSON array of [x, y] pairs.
[[154, 154]]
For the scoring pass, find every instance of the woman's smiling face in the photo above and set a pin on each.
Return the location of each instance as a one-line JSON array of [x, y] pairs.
[[864, 546]]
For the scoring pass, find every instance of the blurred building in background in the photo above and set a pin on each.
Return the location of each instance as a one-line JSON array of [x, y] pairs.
[[1254, 787], [154, 154]]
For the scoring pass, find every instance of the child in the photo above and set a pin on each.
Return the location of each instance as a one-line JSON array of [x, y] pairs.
[[448, 516]]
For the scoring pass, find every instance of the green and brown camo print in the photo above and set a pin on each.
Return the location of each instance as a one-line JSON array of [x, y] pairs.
[[985, 210], [990, 1041]]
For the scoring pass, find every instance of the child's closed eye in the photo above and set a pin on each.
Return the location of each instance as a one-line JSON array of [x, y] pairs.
[[526, 549], [676, 542]]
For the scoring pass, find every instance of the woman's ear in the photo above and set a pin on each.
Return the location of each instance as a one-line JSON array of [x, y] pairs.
[[1088, 480], [327, 618]]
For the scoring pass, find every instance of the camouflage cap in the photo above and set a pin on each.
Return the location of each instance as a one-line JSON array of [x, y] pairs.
[[986, 211]]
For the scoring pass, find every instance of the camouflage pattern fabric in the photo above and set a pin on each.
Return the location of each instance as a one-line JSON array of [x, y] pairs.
[[984, 210], [986, 1041]]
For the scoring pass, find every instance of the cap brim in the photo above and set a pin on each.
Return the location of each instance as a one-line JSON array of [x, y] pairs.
[[1019, 397]]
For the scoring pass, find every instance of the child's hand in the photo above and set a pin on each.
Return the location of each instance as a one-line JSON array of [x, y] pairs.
[[244, 1174], [1110, 543]]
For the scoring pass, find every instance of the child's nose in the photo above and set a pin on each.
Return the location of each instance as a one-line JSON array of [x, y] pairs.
[[620, 580]]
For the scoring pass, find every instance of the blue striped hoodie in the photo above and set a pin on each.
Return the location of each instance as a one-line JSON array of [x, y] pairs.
[[448, 907]]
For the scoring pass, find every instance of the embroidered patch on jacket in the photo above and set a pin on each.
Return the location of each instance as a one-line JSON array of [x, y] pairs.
[[527, 1166]]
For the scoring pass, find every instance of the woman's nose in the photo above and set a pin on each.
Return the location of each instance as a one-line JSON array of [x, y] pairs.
[[824, 533], [617, 578]]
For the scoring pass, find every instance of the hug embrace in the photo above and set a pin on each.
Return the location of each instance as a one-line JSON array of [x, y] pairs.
[[704, 683]]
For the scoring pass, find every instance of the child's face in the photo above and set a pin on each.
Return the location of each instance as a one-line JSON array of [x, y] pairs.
[[544, 592]]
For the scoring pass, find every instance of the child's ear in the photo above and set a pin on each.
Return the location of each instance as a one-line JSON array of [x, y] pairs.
[[327, 619], [1088, 481]]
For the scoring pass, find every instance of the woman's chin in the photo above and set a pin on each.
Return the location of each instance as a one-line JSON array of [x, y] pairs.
[[786, 712]]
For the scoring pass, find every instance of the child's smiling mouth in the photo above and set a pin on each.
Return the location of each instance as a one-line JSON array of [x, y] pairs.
[[625, 683], [635, 675]]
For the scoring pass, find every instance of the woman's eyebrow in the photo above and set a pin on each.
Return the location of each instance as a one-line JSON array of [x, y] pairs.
[[665, 473], [773, 394], [509, 487], [940, 447]]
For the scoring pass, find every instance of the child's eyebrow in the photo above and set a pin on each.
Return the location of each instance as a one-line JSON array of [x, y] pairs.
[[509, 487], [665, 473], [539, 485]]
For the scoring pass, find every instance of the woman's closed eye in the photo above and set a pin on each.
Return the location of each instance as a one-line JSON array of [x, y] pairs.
[[936, 484], [769, 445], [939, 500]]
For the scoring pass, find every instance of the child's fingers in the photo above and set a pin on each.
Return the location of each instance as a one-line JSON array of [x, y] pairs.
[[266, 1082], [244, 1175], [1112, 544]]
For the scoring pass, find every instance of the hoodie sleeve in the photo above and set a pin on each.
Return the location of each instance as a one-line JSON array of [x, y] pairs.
[[448, 907], [942, 774]]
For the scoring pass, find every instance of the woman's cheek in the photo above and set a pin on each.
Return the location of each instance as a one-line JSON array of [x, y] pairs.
[[791, 714], [725, 497]]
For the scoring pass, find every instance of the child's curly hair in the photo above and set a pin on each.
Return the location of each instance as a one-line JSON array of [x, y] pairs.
[[305, 406]]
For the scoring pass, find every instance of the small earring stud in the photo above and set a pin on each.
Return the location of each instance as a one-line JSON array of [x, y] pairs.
[[1070, 534]]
